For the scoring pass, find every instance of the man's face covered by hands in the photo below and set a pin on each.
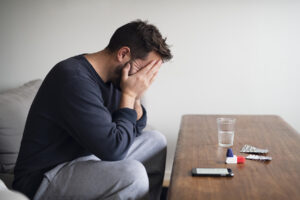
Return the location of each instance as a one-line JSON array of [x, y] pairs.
[[135, 66]]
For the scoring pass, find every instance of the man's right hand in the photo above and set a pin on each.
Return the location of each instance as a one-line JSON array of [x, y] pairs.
[[135, 85]]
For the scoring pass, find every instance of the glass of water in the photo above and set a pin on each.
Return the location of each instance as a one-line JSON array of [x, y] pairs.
[[226, 131]]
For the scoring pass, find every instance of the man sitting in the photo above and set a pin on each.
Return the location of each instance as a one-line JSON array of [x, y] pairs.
[[83, 136]]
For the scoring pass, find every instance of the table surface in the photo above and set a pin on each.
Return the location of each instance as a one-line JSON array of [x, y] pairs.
[[197, 146]]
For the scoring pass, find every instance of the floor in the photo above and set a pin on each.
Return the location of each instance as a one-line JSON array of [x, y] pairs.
[[164, 191]]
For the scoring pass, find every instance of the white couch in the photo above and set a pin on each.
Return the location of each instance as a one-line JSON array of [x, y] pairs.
[[14, 107]]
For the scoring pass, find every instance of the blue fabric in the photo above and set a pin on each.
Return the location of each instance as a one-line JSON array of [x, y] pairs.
[[74, 114]]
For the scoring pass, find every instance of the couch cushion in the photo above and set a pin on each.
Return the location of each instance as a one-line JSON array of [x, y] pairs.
[[14, 107], [10, 194], [8, 179]]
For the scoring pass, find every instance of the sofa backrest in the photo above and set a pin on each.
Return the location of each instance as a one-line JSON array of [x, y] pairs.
[[14, 107]]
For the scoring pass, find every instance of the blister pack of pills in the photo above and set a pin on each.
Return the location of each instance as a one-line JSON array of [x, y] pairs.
[[257, 157], [251, 149]]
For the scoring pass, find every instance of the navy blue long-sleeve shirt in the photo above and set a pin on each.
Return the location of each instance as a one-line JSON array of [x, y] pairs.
[[73, 114]]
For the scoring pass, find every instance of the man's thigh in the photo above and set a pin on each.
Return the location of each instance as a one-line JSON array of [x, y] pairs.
[[150, 149], [148, 145], [126, 179], [96, 179]]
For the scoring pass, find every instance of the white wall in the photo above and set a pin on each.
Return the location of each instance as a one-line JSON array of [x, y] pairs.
[[230, 57]]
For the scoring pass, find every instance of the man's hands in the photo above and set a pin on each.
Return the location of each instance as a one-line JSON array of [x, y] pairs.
[[135, 85]]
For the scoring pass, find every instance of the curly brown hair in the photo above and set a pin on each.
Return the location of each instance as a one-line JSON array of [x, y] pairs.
[[141, 38]]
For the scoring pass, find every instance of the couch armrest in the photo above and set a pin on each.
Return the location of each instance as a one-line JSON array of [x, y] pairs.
[[5, 193]]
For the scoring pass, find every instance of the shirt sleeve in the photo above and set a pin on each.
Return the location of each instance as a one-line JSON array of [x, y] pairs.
[[90, 123], [142, 122]]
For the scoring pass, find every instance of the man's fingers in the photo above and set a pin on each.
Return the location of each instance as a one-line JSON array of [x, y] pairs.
[[149, 72], [153, 77], [148, 67], [154, 69], [125, 71]]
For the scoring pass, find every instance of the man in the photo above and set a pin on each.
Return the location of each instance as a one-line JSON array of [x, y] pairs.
[[83, 136]]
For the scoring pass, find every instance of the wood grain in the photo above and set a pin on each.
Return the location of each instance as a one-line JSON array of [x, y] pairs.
[[197, 146]]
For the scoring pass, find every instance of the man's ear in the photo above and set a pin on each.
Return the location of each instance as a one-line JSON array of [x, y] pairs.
[[123, 54]]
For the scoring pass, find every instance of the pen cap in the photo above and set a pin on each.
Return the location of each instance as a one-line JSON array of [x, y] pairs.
[[229, 153]]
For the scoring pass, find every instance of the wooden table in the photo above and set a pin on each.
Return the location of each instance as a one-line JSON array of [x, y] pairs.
[[197, 146]]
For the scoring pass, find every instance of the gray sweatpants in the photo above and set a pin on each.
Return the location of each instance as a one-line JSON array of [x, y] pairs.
[[138, 176]]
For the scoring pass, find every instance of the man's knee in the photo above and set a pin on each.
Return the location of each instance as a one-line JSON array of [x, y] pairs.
[[136, 176], [158, 139]]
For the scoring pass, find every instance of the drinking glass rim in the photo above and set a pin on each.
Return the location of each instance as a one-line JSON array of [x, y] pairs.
[[226, 119]]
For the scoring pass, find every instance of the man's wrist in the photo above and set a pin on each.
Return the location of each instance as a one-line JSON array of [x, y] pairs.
[[127, 101], [138, 108]]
